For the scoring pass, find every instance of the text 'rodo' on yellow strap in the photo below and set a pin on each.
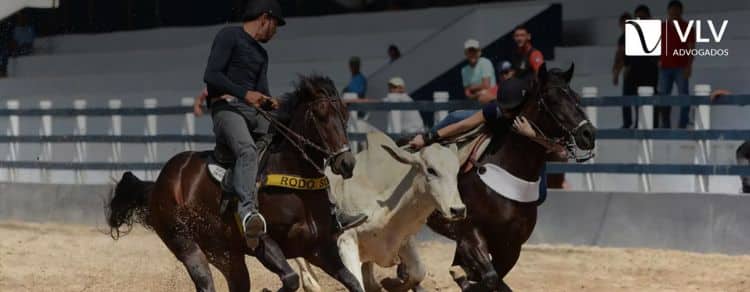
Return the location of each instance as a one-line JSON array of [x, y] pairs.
[[296, 182]]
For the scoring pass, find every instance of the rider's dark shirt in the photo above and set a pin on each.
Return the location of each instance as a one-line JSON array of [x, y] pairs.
[[499, 125], [237, 64]]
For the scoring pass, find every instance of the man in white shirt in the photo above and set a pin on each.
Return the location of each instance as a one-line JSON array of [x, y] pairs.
[[402, 121]]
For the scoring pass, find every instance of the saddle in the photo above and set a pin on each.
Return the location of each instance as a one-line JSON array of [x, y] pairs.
[[220, 169], [471, 146]]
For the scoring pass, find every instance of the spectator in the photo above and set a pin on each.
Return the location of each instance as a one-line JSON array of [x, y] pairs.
[[478, 79], [525, 57], [675, 69], [527, 60], [411, 121], [743, 158], [619, 65], [638, 71], [506, 70], [478, 75], [23, 36], [5, 33], [358, 83], [393, 53]]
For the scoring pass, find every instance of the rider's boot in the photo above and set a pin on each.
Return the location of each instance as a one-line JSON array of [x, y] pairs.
[[343, 221]]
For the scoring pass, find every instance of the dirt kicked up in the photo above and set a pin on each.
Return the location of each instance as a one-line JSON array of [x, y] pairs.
[[46, 257]]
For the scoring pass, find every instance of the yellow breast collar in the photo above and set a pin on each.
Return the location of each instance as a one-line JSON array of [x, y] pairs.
[[296, 182]]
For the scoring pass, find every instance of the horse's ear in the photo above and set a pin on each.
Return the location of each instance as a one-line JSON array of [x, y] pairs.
[[400, 155], [568, 75], [543, 74]]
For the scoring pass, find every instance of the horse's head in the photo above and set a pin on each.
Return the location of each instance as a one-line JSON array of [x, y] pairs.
[[555, 109], [437, 176], [321, 117]]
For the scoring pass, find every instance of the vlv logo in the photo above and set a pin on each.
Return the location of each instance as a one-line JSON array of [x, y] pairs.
[[699, 37], [643, 37]]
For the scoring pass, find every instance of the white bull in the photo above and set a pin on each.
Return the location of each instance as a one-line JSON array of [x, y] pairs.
[[398, 190]]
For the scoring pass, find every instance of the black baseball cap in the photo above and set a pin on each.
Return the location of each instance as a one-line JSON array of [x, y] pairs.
[[512, 93], [256, 8]]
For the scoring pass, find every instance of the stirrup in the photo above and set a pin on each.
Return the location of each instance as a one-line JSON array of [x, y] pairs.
[[253, 233]]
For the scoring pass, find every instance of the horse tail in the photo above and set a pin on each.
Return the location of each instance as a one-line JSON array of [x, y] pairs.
[[128, 205]]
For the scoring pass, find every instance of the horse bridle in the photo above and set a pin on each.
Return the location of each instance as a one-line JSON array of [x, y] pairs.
[[300, 142], [567, 141]]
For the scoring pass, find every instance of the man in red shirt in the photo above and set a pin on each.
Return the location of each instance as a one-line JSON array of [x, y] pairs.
[[674, 68], [525, 58]]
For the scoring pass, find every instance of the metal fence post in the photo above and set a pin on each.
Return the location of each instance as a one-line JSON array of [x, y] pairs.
[[440, 96], [702, 122], [394, 122], [591, 112], [646, 122], [189, 128], [45, 130], [116, 131], [81, 130], [150, 130], [353, 123], [13, 131]]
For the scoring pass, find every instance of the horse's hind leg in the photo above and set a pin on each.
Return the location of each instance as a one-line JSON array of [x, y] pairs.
[[194, 260], [272, 257], [231, 264]]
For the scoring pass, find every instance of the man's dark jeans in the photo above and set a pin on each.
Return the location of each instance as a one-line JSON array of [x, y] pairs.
[[233, 134], [667, 78]]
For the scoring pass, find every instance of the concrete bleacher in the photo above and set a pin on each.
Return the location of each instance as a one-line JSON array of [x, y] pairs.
[[168, 63], [173, 59]]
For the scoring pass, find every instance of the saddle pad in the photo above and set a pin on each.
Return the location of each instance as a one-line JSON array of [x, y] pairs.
[[217, 172], [507, 185], [473, 150]]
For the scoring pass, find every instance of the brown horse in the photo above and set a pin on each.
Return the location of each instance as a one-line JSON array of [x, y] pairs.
[[489, 240], [183, 205]]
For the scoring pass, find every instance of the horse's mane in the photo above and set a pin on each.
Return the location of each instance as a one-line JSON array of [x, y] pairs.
[[307, 86]]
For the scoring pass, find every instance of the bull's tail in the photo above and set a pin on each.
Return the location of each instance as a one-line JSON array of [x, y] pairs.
[[128, 205]]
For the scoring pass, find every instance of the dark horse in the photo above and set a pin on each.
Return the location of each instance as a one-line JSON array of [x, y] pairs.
[[183, 205], [489, 240]]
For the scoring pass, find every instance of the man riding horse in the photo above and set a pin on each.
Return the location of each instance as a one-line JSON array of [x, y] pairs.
[[238, 67]]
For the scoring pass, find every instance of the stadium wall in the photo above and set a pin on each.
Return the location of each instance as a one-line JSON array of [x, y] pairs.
[[714, 223]]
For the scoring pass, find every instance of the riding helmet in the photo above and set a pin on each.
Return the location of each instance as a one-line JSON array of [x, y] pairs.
[[513, 92]]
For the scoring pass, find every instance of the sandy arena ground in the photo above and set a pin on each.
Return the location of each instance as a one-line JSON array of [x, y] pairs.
[[45, 257]]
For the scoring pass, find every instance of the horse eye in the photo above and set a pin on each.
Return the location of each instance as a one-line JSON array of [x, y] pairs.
[[432, 171]]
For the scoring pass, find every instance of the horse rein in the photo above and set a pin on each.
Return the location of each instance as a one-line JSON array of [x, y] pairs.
[[567, 142], [299, 141]]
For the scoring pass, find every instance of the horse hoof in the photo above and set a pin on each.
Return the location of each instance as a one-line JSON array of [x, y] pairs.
[[290, 282], [393, 284]]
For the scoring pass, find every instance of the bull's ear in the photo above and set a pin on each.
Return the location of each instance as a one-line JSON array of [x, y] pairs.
[[453, 148], [568, 75], [401, 155]]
